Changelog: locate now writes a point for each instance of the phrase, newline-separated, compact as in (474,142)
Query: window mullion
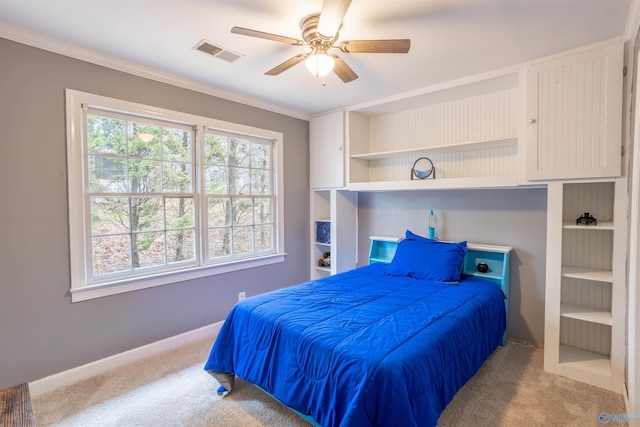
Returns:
(202,200)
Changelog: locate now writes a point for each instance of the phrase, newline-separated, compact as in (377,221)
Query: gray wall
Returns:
(41,331)
(510,217)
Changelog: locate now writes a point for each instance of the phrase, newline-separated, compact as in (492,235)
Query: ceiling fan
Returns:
(320,33)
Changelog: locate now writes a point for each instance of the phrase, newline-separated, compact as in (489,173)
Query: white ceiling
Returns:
(450,39)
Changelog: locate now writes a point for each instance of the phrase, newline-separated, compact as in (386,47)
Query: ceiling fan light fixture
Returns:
(320,63)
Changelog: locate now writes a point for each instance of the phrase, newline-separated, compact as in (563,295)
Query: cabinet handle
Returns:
(532,121)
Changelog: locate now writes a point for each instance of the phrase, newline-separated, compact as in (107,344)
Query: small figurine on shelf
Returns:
(586,219)
(325,261)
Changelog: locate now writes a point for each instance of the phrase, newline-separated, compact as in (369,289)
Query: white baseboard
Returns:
(98,367)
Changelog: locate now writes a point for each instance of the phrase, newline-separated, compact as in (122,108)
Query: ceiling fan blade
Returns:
(287,64)
(268,36)
(331,16)
(343,71)
(375,46)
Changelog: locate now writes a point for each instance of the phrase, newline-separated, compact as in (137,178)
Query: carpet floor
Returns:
(172,389)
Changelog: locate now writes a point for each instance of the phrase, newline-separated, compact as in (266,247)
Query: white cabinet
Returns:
(326,136)
(574,114)
(339,209)
(468,128)
(585,283)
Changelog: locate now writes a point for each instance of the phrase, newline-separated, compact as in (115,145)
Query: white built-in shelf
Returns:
(587,314)
(587,274)
(462,146)
(324,269)
(567,225)
(584,360)
(437,184)
(323,245)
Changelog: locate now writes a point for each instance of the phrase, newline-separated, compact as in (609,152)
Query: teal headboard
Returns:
(496,258)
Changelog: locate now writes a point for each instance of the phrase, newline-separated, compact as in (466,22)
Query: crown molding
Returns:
(27,37)
(633,20)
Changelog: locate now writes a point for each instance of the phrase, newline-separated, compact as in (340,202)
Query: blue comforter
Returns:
(362,348)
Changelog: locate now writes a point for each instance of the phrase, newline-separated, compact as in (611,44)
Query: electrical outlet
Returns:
(242,295)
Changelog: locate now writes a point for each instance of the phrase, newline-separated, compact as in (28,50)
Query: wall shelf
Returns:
(585,313)
(587,273)
(423,151)
(583,360)
(437,184)
(469,130)
(608,225)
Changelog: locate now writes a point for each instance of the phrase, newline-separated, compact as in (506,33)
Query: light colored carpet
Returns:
(172,389)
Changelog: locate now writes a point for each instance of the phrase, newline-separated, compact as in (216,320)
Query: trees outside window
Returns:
(162,191)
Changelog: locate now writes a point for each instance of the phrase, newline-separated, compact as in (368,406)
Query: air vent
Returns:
(217,51)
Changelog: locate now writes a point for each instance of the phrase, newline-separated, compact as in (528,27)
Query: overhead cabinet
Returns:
(326,136)
(574,115)
(557,118)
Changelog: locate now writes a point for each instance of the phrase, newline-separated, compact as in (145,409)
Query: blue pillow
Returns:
(410,235)
(428,259)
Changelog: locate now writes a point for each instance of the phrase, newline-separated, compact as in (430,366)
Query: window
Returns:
(157,196)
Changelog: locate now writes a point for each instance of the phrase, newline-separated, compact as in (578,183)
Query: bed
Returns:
(380,345)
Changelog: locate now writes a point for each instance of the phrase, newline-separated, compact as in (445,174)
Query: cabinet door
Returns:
(327,154)
(574,109)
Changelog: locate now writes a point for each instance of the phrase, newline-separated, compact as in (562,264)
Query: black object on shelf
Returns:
(586,219)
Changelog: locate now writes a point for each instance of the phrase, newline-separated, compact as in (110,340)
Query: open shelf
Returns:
(383,248)
(584,360)
(585,313)
(437,184)
(587,273)
(608,225)
(461,146)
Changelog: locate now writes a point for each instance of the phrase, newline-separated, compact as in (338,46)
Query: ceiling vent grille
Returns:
(217,51)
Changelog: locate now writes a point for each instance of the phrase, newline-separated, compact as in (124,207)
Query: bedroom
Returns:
(42,333)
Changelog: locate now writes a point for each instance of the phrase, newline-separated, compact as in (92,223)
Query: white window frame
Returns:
(81,289)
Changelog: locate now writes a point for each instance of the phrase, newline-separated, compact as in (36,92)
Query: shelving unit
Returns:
(584,319)
(320,211)
(339,208)
(469,129)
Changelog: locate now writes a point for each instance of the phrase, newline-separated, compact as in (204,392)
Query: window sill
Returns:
(113,288)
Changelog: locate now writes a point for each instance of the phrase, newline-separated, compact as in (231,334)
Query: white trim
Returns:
(83,287)
(633,318)
(633,20)
(61,379)
(100,290)
(24,36)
